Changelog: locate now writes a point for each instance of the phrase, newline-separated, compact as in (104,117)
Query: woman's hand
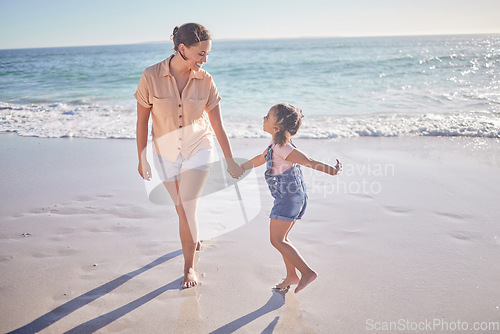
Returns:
(234,169)
(144,169)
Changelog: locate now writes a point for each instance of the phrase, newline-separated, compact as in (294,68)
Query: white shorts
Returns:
(170,171)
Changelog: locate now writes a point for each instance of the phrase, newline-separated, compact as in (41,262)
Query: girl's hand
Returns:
(234,169)
(338,166)
(144,169)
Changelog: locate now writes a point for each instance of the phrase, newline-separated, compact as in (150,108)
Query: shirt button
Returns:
(179,148)
(180,105)
(180,138)
(180,126)
(180,116)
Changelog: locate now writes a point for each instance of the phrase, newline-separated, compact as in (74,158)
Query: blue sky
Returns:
(46,23)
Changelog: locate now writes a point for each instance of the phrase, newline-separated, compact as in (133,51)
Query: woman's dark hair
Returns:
(189,34)
(289,119)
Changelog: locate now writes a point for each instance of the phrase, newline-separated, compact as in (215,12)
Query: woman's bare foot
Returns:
(305,280)
(190,279)
(287,282)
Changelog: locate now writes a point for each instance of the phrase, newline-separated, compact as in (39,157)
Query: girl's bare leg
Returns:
(279,230)
(185,193)
(291,274)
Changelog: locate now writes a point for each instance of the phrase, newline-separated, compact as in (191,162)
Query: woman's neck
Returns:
(178,66)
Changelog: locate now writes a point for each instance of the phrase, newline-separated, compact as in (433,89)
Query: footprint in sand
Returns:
(362,197)
(465,236)
(61,252)
(86,205)
(396,210)
(452,216)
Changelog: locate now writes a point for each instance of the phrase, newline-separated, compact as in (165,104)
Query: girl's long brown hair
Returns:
(289,119)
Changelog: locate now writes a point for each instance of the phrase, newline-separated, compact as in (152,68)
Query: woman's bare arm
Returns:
(216,121)
(142,140)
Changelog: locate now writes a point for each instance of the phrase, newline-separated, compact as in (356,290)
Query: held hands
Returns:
(338,167)
(234,169)
(144,169)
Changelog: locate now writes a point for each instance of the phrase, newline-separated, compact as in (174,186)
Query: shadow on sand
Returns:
(275,302)
(66,309)
(95,324)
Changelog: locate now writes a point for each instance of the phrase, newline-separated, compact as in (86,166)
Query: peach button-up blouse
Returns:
(179,123)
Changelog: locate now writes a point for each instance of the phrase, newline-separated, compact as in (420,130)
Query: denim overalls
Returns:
(288,190)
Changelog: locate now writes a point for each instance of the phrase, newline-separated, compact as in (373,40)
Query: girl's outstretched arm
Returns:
(302,159)
(255,161)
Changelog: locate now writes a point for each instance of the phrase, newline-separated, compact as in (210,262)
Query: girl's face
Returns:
(270,125)
(196,54)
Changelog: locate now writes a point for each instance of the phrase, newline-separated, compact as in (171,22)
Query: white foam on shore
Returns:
(59,120)
(392,125)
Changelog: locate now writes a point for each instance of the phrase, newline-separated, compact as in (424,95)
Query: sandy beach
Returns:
(406,236)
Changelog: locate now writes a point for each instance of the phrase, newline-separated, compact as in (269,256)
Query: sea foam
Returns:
(58,120)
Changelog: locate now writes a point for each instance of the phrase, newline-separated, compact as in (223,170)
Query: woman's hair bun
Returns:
(175,31)
(189,34)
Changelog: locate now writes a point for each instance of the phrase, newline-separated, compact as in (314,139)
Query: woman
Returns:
(175,92)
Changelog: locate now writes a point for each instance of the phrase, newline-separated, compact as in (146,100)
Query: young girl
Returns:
(285,181)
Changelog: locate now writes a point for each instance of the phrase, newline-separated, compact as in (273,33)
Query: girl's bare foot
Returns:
(287,282)
(305,280)
(190,279)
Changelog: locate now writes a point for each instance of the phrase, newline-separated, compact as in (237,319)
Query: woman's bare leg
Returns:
(185,194)
(190,187)
(279,230)
(173,190)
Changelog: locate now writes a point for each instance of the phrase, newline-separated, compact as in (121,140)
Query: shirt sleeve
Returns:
(213,97)
(142,92)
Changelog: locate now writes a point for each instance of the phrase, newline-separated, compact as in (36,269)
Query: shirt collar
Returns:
(165,70)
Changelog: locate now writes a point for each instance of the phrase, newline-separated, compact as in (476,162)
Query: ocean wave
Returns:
(325,127)
(465,125)
(59,120)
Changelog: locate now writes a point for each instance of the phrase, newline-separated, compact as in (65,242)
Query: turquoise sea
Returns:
(347,87)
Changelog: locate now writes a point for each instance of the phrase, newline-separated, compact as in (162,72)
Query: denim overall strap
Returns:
(269,158)
(270,180)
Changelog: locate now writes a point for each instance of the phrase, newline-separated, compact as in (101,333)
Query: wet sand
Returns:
(408,233)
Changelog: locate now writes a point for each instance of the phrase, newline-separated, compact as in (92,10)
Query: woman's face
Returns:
(196,54)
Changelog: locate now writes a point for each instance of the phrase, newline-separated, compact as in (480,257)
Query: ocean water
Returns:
(347,87)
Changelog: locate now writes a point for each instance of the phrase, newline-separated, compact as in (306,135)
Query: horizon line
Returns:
(256,39)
